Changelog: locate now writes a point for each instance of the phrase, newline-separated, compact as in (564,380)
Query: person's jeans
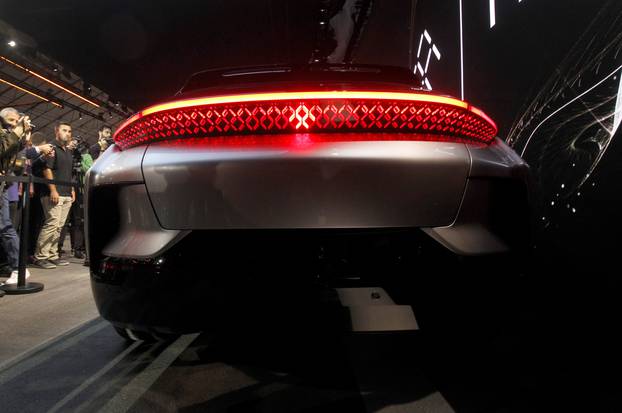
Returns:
(8,236)
(55,217)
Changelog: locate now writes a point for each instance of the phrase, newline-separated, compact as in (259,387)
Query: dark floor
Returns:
(29,320)
(555,351)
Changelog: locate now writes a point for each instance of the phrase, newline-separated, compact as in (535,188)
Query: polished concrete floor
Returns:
(553,354)
(29,320)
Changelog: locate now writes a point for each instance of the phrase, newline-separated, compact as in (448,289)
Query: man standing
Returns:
(55,199)
(103,141)
(14,128)
(38,141)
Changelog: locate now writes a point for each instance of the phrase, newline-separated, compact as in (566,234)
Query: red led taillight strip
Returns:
(322,111)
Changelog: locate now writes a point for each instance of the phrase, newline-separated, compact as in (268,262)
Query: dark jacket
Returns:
(31,153)
(95,150)
(10,145)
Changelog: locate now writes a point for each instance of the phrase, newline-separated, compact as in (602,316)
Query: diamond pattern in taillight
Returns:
(317,115)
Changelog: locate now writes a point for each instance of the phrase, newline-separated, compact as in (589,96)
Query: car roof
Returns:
(299,75)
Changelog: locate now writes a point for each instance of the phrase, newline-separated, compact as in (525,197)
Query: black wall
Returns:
(549,73)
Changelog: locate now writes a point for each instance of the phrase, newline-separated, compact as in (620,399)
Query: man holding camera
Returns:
(15,128)
(103,141)
(55,199)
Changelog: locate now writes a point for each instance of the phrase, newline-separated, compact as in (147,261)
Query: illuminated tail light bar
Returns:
(419,114)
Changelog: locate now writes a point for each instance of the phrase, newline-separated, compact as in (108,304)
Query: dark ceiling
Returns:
(141,51)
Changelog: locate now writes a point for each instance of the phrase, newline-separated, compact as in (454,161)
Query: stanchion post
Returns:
(23,235)
(22,286)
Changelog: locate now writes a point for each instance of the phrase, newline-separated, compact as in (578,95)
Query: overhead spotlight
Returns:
(80,117)
(12,43)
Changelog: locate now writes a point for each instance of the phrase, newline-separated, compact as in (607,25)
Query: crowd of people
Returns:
(56,209)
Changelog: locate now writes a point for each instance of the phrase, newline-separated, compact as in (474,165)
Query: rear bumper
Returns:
(180,235)
(218,279)
(472,199)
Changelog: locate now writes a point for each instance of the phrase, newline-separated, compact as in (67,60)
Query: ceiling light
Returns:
(45,79)
(30,93)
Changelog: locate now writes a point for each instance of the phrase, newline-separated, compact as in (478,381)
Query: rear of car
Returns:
(270,187)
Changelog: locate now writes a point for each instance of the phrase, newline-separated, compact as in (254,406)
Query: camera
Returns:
(22,115)
(110,141)
(81,146)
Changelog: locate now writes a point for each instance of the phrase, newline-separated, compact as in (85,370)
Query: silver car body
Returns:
(445,189)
